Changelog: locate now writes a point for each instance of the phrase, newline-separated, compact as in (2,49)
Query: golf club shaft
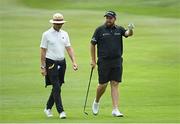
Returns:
(88,88)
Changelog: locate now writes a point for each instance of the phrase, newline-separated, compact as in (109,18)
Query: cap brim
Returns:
(56,22)
(109,15)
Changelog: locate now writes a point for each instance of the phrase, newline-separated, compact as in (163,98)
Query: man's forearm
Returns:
(93,53)
(43,57)
(43,61)
(71,54)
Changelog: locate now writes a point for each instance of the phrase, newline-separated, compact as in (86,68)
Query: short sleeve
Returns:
(67,42)
(123,30)
(95,37)
(43,41)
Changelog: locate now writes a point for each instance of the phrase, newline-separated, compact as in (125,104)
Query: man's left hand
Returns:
(75,66)
(131,26)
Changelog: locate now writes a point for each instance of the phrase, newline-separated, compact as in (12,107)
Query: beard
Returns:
(109,24)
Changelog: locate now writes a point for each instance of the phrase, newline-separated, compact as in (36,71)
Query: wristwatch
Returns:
(43,67)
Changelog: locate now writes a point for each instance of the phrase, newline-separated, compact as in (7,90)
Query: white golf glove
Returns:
(131,26)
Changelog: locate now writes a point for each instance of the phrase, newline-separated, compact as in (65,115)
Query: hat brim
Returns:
(56,22)
(109,15)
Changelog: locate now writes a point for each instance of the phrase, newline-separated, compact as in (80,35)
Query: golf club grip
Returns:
(88,88)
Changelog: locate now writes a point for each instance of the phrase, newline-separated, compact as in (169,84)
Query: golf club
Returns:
(88,91)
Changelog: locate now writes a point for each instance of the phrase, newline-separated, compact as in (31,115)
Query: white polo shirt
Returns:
(55,43)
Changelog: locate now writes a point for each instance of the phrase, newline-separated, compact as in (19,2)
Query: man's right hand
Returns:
(43,72)
(93,64)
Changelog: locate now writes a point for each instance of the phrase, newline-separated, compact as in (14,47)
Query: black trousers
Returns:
(55,74)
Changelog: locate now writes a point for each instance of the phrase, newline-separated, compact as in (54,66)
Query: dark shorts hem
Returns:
(104,82)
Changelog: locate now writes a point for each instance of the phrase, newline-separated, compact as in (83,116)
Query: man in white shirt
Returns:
(53,65)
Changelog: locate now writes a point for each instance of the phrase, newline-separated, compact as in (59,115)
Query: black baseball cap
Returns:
(110,13)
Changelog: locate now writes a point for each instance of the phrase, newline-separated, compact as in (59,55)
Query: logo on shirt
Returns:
(105,34)
(117,33)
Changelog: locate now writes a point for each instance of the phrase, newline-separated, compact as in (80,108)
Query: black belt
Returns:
(56,61)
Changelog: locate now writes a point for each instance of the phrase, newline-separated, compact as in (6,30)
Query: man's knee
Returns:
(102,86)
(114,83)
(56,87)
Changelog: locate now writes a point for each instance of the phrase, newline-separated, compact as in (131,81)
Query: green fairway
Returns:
(150,91)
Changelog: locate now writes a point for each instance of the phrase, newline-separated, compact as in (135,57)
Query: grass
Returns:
(150,90)
(167,8)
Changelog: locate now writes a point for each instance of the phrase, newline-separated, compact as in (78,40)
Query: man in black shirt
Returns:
(109,41)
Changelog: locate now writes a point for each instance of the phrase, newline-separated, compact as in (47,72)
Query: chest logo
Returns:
(117,33)
(105,34)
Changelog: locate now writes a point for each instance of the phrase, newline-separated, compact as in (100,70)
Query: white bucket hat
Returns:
(57,19)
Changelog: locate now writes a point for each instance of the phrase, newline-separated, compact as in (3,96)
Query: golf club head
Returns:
(86,113)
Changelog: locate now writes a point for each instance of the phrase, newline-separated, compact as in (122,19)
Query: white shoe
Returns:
(48,112)
(62,115)
(117,113)
(95,107)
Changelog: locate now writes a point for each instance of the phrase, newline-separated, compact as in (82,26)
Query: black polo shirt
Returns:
(109,41)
